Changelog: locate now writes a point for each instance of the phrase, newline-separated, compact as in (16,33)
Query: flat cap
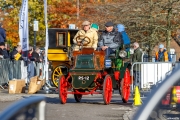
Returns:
(108,24)
(86,23)
(2,44)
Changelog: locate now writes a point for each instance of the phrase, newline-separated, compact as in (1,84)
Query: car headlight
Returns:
(122,54)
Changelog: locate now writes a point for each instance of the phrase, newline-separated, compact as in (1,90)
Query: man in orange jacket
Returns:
(162,55)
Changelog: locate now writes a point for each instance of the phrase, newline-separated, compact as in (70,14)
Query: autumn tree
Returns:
(60,14)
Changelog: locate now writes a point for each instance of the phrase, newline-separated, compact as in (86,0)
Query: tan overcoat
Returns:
(91,34)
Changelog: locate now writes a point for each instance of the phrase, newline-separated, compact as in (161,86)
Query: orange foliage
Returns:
(11,28)
(61,13)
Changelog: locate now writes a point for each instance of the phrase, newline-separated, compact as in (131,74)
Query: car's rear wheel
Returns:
(107,89)
(62,89)
(125,86)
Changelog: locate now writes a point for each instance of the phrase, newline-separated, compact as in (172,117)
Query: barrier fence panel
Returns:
(149,74)
(24,71)
(16,69)
(4,71)
(11,69)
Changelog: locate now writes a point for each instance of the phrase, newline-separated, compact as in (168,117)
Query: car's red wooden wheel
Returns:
(107,89)
(125,86)
(62,86)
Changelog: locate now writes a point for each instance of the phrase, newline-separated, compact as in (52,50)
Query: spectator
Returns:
(86,32)
(110,39)
(2,33)
(137,57)
(7,46)
(30,52)
(3,52)
(31,67)
(14,50)
(36,55)
(16,54)
(162,55)
(2,46)
(6,51)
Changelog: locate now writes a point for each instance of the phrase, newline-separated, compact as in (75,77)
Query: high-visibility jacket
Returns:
(165,57)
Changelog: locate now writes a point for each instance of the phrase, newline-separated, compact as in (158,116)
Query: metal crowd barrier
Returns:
(147,75)
(35,69)
(11,69)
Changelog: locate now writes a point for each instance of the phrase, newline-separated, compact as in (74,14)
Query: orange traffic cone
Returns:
(137,98)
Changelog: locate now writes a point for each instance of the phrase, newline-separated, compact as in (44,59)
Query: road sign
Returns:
(36,28)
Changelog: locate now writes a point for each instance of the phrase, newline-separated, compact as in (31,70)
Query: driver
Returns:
(88,35)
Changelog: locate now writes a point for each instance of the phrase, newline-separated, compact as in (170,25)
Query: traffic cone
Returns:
(137,98)
(173,96)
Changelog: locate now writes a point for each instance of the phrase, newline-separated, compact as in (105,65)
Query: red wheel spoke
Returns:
(107,89)
(62,89)
(125,86)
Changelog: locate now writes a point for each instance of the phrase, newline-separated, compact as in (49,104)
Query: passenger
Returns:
(125,37)
(86,32)
(162,55)
(110,39)
(137,57)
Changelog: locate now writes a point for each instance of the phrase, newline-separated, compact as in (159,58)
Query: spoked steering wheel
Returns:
(82,40)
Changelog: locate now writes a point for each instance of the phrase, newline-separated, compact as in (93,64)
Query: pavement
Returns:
(5,96)
(127,115)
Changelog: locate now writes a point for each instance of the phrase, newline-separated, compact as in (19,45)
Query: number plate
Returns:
(83,77)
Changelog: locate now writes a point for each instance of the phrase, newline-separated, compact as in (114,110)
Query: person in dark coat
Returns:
(16,54)
(6,51)
(2,46)
(36,55)
(6,54)
(137,57)
(2,33)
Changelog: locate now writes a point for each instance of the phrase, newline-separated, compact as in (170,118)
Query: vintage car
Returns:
(89,73)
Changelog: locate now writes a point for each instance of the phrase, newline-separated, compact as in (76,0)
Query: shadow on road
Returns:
(98,101)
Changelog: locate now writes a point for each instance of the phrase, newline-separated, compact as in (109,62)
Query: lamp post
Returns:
(35,28)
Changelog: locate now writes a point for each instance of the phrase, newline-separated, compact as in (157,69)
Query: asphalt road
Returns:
(90,108)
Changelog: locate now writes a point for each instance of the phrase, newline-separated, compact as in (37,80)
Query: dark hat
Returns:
(2,44)
(108,24)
